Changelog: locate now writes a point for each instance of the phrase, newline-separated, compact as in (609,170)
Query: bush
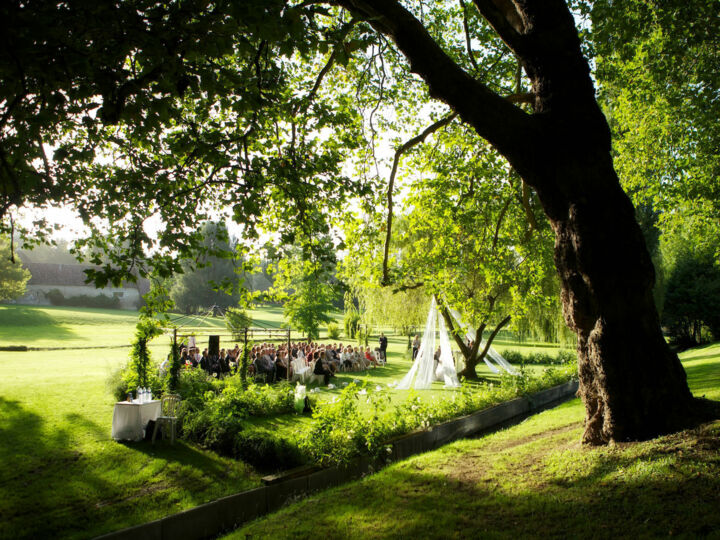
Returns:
(56,298)
(351,321)
(215,415)
(333,331)
(340,432)
(236,321)
(564,356)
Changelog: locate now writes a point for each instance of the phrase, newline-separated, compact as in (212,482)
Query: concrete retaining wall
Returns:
(209,520)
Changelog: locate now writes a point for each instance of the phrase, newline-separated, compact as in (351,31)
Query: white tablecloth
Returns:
(130,419)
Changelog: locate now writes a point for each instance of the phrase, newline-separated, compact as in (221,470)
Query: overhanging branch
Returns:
(391,183)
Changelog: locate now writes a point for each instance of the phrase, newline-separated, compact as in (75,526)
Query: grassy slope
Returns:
(57,457)
(531,480)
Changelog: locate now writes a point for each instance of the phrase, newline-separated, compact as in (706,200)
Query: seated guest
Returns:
(224,362)
(359,359)
(265,365)
(370,358)
(347,358)
(281,366)
(321,368)
(205,361)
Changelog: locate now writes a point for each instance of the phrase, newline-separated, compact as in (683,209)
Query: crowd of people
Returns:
(278,361)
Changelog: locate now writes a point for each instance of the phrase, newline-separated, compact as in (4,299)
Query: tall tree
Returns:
(213,279)
(13,277)
(226,101)
(306,284)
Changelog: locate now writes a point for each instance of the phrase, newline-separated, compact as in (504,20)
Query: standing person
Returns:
(416,346)
(383,347)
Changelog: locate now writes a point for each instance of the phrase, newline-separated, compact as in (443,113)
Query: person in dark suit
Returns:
(383,347)
(321,368)
(416,346)
(264,364)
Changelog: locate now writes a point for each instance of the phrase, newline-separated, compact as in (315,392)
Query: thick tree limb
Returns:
(391,182)
(505,126)
(494,333)
(503,16)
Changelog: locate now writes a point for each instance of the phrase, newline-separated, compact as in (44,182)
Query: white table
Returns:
(130,419)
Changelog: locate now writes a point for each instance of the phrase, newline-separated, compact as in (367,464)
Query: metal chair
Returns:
(168,410)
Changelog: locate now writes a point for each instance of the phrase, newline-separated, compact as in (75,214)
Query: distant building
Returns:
(69,279)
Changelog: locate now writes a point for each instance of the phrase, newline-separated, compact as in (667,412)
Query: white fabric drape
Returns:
(423,371)
(492,353)
(446,368)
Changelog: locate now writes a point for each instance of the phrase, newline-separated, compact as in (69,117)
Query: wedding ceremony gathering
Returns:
(359,269)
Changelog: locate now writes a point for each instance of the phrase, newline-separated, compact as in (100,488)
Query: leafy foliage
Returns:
(340,432)
(217,419)
(657,69)
(305,283)
(13,277)
(236,320)
(141,372)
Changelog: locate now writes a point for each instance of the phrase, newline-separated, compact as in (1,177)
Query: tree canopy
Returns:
(181,110)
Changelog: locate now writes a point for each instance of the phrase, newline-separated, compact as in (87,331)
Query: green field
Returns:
(55,417)
(534,480)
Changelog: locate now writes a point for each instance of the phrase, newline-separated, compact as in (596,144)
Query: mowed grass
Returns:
(534,480)
(61,475)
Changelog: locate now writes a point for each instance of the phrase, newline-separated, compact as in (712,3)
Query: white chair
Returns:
(300,370)
(168,410)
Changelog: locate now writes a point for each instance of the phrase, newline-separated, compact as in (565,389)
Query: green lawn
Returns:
(533,480)
(58,460)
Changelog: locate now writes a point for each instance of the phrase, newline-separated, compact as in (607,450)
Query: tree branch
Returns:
(505,19)
(493,334)
(509,129)
(391,183)
(468,45)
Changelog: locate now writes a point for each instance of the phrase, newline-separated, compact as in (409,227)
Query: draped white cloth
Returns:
(423,371)
(446,367)
(492,353)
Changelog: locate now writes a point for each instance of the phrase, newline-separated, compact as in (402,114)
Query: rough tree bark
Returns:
(632,384)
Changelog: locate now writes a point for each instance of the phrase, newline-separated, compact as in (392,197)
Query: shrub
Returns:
(214,414)
(333,331)
(236,321)
(517,358)
(56,298)
(351,321)
(340,432)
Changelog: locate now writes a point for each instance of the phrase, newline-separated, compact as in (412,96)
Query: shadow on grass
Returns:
(704,377)
(604,500)
(42,323)
(43,479)
(50,488)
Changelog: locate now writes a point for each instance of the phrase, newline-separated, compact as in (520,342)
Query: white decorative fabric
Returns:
(446,367)
(492,353)
(300,370)
(423,371)
(130,419)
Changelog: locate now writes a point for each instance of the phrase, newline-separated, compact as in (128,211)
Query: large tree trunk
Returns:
(632,384)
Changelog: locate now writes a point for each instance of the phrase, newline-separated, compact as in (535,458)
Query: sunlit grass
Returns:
(533,480)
